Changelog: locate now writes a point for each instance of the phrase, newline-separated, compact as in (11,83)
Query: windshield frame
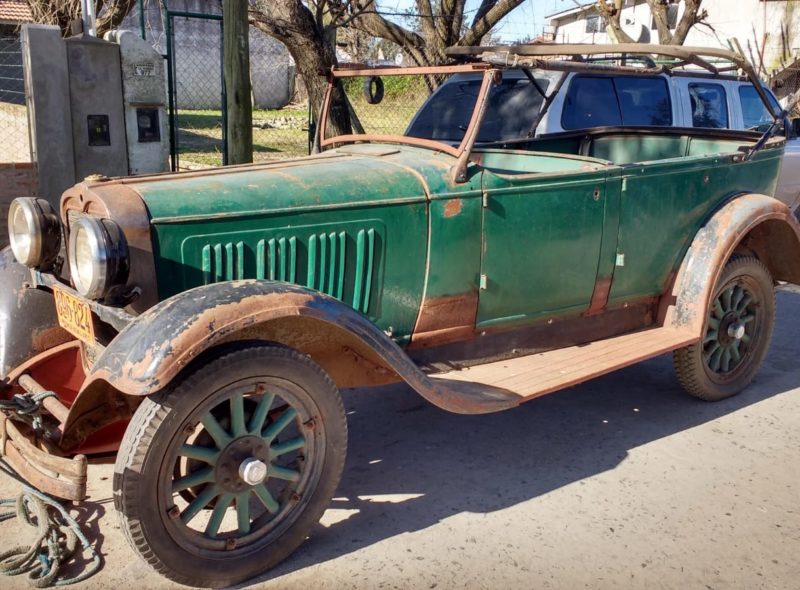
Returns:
(470,135)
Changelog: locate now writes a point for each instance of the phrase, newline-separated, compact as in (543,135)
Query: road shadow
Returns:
(411,465)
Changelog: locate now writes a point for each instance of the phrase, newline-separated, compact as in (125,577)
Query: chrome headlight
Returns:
(34,232)
(98,256)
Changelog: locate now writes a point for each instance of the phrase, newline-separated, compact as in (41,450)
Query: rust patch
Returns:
(600,295)
(446,319)
(453,208)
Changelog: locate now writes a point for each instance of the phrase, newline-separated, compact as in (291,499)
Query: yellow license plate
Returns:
(74,315)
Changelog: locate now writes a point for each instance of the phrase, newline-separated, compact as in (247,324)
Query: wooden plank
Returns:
(537,374)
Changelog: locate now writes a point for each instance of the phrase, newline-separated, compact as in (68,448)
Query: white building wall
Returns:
(745,20)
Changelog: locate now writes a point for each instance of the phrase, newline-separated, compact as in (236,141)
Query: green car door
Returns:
(542,233)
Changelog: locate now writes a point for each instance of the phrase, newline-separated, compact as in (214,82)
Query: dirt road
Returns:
(621,482)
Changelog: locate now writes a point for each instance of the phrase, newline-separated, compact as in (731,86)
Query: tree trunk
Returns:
(235,33)
(291,23)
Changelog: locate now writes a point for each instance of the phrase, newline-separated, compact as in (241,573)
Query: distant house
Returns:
(197,50)
(13,14)
(768,30)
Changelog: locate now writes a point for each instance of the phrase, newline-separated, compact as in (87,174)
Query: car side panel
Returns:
(665,203)
(373,259)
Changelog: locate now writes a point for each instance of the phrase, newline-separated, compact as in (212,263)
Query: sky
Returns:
(526,20)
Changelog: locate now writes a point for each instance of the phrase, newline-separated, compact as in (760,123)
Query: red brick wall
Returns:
(16,180)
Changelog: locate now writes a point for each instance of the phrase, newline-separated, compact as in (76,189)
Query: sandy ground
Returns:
(621,482)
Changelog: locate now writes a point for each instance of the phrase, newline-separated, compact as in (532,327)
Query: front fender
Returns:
(751,224)
(28,322)
(156,346)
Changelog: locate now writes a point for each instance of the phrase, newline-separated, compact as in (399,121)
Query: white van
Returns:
(536,103)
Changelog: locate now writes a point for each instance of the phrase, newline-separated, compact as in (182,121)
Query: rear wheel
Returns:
(736,336)
(224,474)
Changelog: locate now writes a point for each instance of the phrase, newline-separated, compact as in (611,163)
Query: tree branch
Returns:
(611,16)
(488,15)
(692,15)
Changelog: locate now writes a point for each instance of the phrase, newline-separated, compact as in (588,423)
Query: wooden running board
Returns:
(532,376)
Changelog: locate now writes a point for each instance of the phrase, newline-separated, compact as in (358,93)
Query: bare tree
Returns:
(693,14)
(441,25)
(62,12)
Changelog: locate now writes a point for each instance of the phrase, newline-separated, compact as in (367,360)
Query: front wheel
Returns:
(736,336)
(222,475)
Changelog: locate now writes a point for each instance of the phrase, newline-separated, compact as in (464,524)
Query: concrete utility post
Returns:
(235,31)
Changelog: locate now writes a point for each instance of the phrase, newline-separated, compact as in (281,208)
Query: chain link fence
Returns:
(14,139)
(386,105)
(786,82)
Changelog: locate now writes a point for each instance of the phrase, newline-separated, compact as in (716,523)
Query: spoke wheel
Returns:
(737,333)
(224,474)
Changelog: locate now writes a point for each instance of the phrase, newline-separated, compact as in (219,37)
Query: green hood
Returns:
(356,175)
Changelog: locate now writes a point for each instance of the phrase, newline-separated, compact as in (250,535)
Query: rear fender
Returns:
(750,224)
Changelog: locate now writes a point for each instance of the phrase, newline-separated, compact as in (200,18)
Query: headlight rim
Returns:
(43,228)
(108,253)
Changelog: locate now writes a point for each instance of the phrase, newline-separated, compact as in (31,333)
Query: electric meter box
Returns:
(95,98)
(144,102)
(95,106)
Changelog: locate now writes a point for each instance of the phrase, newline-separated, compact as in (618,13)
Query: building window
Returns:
(672,18)
(595,24)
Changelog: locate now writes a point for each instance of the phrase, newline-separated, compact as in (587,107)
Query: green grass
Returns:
(200,131)
(200,136)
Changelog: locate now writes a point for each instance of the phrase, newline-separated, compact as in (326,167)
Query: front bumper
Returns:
(39,463)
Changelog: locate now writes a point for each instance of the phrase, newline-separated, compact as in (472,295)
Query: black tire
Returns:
(736,339)
(373,89)
(153,462)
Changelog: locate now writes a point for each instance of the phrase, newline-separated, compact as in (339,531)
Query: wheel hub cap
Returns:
(252,471)
(736,331)
(243,464)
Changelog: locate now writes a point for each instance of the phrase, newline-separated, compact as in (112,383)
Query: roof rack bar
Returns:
(693,55)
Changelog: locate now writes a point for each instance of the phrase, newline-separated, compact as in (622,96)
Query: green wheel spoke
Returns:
(270,503)
(711,336)
(237,416)
(734,349)
(204,475)
(277,427)
(279,472)
(738,295)
(243,512)
(748,299)
(713,322)
(746,338)
(746,319)
(217,432)
(714,348)
(199,453)
(220,508)
(258,417)
(718,310)
(713,361)
(727,295)
(726,360)
(199,503)
(287,446)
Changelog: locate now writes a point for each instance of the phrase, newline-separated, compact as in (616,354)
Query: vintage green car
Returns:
(202,324)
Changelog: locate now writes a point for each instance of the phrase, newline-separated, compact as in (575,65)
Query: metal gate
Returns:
(196,89)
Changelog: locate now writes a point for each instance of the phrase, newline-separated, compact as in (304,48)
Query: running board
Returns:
(531,376)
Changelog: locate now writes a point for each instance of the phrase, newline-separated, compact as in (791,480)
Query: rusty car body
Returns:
(205,321)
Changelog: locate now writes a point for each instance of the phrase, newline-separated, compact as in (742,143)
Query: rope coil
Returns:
(56,542)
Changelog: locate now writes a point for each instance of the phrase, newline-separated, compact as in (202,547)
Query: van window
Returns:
(709,105)
(754,112)
(513,107)
(594,101)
